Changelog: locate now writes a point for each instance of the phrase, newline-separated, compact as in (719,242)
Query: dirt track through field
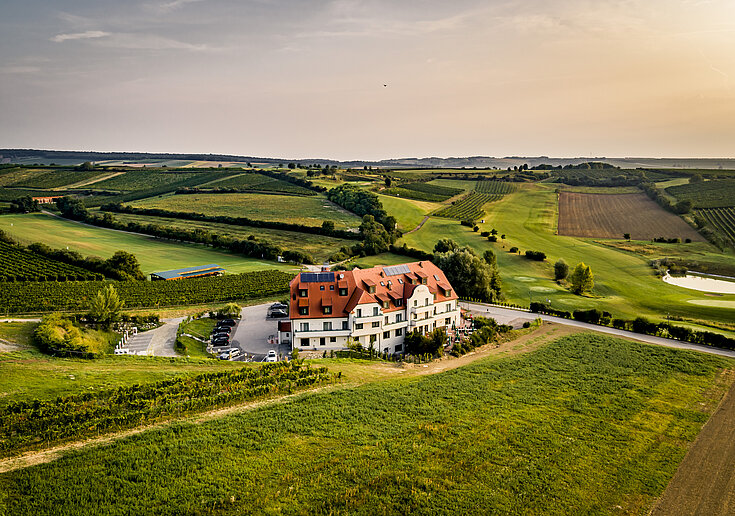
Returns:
(704,483)
(612,215)
(523,344)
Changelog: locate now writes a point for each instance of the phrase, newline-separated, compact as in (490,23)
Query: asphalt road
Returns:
(505,314)
(252,332)
(159,342)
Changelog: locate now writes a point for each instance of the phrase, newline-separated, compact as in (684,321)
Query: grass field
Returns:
(255,181)
(311,211)
(27,375)
(319,246)
(153,254)
(580,426)
(409,213)
(624,282)
(610,216)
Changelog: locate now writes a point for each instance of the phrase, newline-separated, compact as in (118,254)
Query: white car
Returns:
(271,356)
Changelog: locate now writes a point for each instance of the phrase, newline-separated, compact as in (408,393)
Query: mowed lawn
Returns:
(153,254)
(311,211)
(624,282)
(584,425)
(319,246)
(408,213)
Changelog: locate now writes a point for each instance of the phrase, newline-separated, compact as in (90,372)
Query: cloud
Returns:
(19,69)
(173,5)
(150,42)
(90,34)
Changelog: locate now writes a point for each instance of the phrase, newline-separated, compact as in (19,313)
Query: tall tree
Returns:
(124,266)
(105,307)
(561,270)
(470,275)
(582,279)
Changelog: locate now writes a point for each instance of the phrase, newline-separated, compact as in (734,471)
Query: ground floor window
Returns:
(304,343)
(447,321)
(399,348)
(332,339)
(322,341)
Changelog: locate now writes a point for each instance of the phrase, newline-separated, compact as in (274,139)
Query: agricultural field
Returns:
(459,184)
(624,281)
(319,246)
(468,208)
(722,219)
(494,187)
(708,194)
(22,265)
(311,211)
(33,297)
(610,216)
(10,176)
(255,181)
(580,426)
(56,178)
(423,192)
(153,254)
(134,180)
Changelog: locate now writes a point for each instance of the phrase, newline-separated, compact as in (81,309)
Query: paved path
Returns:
(417,227)
(159,342)
(20,320)
(506,313)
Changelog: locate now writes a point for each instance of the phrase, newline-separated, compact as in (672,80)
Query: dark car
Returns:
(222,329)
(220,338)
(278,314)
(227,322)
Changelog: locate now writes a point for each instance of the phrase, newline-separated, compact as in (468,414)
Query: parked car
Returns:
(278,314)
(226,322)
(279,306)
(271,356)
(229,354)
(219,331)
(223,327)
(222,341)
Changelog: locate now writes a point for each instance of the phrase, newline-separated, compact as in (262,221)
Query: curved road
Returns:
(506,314)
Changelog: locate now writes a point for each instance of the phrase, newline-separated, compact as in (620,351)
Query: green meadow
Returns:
(625,284)
(584,425)
(152,253)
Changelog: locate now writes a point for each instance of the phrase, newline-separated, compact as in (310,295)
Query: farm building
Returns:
(376,306)
(46,200)
(189,272)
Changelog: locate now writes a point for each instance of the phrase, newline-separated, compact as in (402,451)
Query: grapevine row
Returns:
(494,187)
(18,264)
(23,297)
(722,219)
(26,425)
(469,208)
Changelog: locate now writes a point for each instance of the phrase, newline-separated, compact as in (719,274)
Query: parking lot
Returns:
(252,332)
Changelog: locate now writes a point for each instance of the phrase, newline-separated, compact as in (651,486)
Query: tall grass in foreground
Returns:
(579,426)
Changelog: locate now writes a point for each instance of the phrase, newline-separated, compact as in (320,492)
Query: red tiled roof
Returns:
(355,282)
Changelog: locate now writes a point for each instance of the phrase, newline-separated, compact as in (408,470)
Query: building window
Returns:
(386,335)
(376,324)
(399,302)
(304,326)
(304,310)
(423,281)
(415,316)
(399,348)
(415,302)
(303,292)
(331,287)
(358,326)
(449,307)
(343,292)
(322,341)
(376,311)
(426,302)
(399,332)
(304,343)
(448,321)
(327,309)
(386,304)
(332,339)
(345,325)
(327,326)
(359,312)
(371,289)
(321,287)
(399,317)
(386,320)
(373,338)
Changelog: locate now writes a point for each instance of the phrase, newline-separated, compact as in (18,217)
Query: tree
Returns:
(229,311)
(24,204)
(582,279)
(696,178)
(444,245)
(626,236)
(72,208)
(105,307)
(561,270)
(328,225)
(470,275)
(124,266)
(375,238)
(432,343)
(490,258)
(388,182)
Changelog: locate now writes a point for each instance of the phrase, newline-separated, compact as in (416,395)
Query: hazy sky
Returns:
(304,78)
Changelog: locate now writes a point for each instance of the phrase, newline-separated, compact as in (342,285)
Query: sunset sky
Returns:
(305,78)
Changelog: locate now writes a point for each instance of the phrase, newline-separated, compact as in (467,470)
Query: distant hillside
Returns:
(39,156)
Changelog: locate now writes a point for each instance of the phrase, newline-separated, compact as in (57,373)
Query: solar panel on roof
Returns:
(317,277)
(395,270)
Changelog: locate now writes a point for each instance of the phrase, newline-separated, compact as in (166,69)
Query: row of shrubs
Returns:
(640,325)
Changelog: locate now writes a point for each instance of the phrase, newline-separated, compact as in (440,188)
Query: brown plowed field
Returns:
(704,484)
(612,215)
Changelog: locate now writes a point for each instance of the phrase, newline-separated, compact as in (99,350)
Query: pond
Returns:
(702,283)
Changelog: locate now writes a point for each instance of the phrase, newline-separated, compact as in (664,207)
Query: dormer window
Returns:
(304,310)
(386,304)
(398,302)
(327,310)
(343,292)
(303,292)
(423,281)
(371,289)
